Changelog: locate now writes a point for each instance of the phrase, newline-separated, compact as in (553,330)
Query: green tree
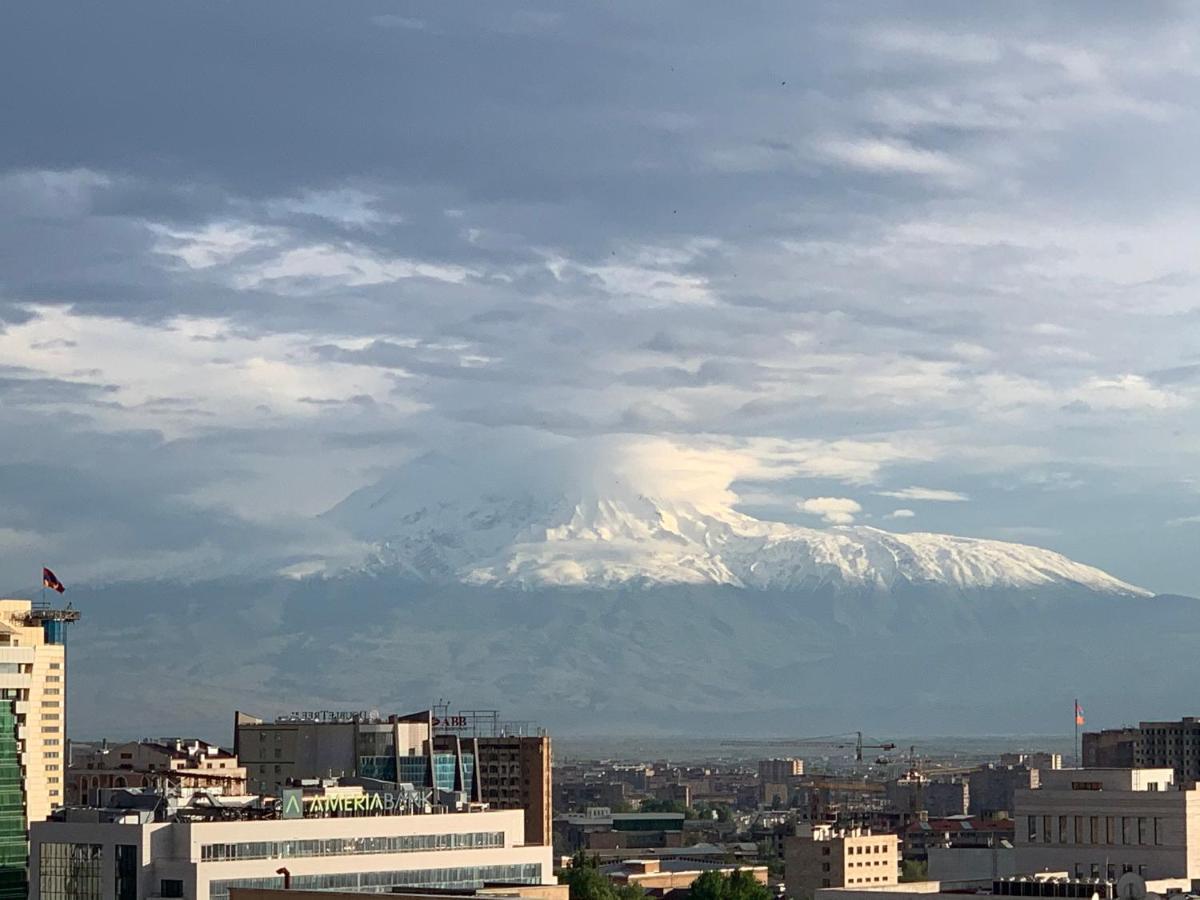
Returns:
(737,885)
(585,882)
(914,870)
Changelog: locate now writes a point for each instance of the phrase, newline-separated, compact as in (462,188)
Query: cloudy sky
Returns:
(920,266)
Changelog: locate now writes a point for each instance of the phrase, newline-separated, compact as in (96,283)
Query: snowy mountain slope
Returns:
(601,532)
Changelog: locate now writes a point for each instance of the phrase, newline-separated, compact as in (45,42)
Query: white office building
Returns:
(126,858)
(1102,823)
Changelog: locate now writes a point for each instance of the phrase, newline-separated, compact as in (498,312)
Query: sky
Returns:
(926,267)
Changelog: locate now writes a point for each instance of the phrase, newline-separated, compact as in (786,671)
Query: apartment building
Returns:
(1101,823)
(832,857)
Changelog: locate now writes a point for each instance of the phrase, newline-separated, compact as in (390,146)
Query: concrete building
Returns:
(663,875)
(992,789)
(599,828)
(507,772)
(33,715)
(1151,745)
(1101,823)
(839,858)
(1047,885)
(490,892)
(958,832)
(915,793)
(1109,749)
(119,854)
(952,864)
(181,764)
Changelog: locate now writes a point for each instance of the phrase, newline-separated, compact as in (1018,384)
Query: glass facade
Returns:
(352,846)
(468,764)
(413,770)
(70,872)
(382,768)
(14,846)
(445,767)
(382,882)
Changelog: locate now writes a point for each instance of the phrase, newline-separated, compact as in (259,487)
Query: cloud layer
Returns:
(833,253)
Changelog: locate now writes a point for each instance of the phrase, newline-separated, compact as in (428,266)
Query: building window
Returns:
(1063,830)
(1158,831)
(69,871)
(172,887)
(1143,829)
(125,872)
(1045,829)
(1079,831)
(1031,825)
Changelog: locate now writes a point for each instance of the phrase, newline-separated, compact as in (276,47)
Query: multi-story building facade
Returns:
(1101,823)
(181,764)
(1151,745)
(832,858)
(507,772)
(113,855)
(33,713)
(514,773)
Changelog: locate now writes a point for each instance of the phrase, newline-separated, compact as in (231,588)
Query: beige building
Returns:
(178,765)
(33,680)
(117,855)
(1101,823)
(662,875)
(33,715)
(833,858)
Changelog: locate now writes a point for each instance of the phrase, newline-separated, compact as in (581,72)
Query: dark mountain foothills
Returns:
(163,658)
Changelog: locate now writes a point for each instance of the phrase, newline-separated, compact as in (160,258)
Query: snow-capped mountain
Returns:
(600,532)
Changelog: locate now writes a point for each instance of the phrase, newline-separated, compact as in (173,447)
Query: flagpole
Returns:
(1075,716)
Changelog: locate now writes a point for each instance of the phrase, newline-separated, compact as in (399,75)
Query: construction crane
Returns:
(838,741)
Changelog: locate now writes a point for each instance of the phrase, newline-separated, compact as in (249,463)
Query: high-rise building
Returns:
(33,711)
(514,773)
(504,771)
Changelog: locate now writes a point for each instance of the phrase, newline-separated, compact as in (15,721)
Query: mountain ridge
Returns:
(611,535)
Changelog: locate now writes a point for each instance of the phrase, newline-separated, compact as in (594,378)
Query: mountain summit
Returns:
(434,524)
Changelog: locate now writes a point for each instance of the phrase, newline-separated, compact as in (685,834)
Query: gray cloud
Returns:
(964,228)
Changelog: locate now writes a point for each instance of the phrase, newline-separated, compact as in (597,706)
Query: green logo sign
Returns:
(293,803)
